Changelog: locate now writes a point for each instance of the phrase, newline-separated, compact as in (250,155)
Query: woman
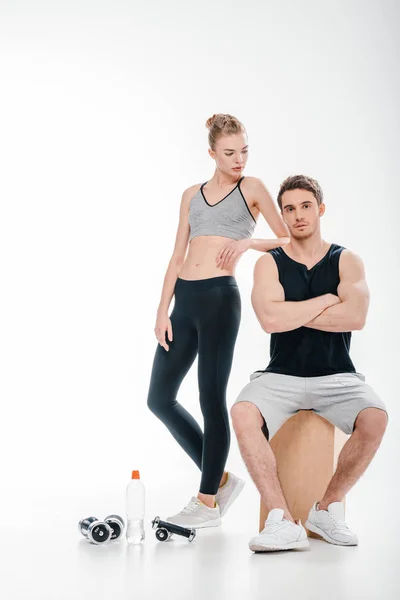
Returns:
(217,220)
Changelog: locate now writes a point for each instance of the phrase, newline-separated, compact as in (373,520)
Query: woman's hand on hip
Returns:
(163,325)
(231,252)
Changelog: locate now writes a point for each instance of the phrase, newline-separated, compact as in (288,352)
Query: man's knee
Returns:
(371,423)
(245,415)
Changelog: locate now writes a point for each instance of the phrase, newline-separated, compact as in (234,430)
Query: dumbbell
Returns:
(165,530)
(97,532)
(101,532)
(116,523)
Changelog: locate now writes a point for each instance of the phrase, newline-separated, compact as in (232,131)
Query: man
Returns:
(309,295)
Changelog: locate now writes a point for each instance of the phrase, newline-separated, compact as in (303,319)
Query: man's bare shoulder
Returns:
(350,257)
(265,268)
(351,262)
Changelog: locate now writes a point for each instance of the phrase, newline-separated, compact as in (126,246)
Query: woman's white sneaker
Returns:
(197,515)
(228,493)
(330,525)
(279,534)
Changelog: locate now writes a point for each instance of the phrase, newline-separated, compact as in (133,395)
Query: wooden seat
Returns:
(306,449)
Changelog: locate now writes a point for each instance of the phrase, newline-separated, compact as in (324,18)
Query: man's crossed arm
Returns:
(345,312)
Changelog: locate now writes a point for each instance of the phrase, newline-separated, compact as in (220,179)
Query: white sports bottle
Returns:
(135,501)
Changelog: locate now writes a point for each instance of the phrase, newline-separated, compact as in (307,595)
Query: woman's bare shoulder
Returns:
(252,183)
(190,192)
(193,188)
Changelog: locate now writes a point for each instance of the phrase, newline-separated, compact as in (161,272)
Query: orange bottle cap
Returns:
(135,475)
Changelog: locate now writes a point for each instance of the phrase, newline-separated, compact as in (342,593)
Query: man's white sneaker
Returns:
(330,525)
(279,534)
(197,515)
(228,493)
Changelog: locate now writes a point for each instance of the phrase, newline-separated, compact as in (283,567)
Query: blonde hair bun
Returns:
(222,124)
(210,122)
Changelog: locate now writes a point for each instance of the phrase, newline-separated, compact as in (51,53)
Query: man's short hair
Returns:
(300,182)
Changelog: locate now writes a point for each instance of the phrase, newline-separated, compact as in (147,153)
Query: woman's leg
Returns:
(218,328)
(169,369)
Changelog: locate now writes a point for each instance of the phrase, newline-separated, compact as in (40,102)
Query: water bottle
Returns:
(135,496)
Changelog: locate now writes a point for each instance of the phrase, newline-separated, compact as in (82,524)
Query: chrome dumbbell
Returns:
(165,530)
(97,532)
(116,523)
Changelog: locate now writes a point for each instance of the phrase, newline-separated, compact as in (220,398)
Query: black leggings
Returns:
(205,321)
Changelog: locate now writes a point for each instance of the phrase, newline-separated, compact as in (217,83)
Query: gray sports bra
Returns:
(230,217)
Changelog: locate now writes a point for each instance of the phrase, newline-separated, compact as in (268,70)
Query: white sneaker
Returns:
(197,515)
(228,493)
(279,534)
(330,525)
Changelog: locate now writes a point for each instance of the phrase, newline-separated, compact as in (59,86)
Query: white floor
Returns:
(51,561)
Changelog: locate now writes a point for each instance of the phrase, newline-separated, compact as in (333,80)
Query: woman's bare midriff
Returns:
(200,262)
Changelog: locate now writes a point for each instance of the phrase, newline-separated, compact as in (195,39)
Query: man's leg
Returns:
(258,455)
(356,454)
(349,403)
(346,401)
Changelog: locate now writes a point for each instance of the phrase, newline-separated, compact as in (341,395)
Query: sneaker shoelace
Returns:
(272,526)
(191,507)
(338,522)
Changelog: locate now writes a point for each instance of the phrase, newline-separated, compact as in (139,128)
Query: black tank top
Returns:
(306,352)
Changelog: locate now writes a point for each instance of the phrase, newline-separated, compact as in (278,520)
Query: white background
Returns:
(103,107)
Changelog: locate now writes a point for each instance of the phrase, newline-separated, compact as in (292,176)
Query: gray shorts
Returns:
(337,398)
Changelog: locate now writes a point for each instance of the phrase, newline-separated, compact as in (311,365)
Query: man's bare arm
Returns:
(351,313)
(274,314)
